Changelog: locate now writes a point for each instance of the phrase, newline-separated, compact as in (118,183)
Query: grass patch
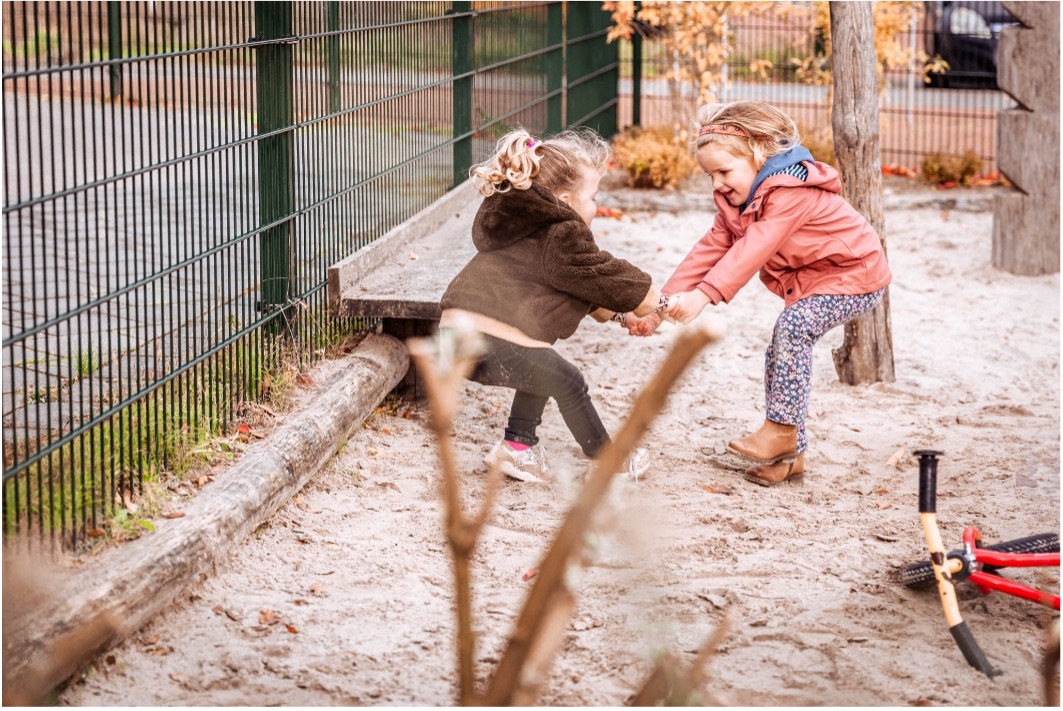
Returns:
(107,484)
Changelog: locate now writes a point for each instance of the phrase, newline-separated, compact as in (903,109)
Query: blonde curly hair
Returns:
(555,163)
(768,130)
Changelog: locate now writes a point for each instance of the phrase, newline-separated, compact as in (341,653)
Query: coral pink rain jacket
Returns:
(802,236)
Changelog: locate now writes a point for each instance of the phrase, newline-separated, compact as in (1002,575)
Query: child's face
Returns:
(581,198)
(731,175)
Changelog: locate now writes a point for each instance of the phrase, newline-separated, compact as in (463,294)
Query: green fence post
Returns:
(636,74)
(461,51)
(555,67)
(334,56)
(592,69)
(114,45)
(273,78)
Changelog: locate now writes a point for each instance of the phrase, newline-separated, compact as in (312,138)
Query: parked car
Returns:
(966,33)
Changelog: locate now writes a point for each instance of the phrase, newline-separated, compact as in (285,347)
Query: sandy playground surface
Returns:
(345,596)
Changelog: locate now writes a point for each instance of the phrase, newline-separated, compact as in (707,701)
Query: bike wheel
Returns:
(921,575)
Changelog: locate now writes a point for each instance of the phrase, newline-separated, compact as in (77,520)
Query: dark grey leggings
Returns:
(538,374)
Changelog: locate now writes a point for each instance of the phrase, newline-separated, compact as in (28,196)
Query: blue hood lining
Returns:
(778,162)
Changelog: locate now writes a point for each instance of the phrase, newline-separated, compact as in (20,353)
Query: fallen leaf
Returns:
(888,539)
(884,504)
(179,678)
(174,514)
(895,457)
(304,380)
(127,501)
(529,574)
(233,616)
(413,255)
(96,532)
(880,491)
(292,628)
(388,485)
(217,609)
(718,489)
(268,617)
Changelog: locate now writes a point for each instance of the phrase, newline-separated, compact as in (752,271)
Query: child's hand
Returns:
(644,325)
(686,306)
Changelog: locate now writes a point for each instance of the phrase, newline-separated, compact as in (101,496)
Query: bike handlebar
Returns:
(928,479)
(946,592)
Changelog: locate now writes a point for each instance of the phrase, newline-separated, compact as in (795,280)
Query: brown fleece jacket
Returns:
(538,268)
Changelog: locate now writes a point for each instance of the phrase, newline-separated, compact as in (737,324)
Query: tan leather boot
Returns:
(773,442)
(778,473)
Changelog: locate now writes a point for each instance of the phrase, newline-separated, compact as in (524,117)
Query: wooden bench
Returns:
(400,277)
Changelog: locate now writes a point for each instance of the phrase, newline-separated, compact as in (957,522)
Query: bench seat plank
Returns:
(411,285)
(404,273)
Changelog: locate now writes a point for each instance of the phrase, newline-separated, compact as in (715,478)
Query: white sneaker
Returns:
(526,465)
(637,464)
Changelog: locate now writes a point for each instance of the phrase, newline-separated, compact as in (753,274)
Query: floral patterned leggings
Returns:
(788,360)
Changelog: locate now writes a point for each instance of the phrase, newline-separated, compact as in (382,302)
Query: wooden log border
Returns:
(132,583)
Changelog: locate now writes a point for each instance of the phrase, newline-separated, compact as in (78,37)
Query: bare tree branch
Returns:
(510,680)
(443,364)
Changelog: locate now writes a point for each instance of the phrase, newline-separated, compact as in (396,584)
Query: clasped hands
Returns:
(683,307)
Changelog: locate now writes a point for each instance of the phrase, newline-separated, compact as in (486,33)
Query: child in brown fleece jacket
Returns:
(536,274)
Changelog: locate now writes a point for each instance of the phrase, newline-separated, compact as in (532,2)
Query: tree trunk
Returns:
(866,355)
(1026,220)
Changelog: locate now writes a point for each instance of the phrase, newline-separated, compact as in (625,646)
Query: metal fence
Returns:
(955,112)
(179,176)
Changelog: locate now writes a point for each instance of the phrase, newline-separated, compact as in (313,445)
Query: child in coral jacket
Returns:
(536,274)
(780,213)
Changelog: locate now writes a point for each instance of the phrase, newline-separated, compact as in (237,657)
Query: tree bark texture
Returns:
(866,354)
(1026,221)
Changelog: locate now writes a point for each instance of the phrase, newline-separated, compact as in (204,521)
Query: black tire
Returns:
(921,575)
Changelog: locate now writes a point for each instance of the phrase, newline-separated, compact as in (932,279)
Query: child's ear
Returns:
(565,198)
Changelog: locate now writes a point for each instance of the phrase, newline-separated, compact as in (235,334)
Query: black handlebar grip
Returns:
(928,480)
(971,651)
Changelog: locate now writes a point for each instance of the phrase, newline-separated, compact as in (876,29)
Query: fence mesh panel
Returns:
(178,178)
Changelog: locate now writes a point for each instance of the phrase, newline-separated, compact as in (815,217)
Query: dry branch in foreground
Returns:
(444,363)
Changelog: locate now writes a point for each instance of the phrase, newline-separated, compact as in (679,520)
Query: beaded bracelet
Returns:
(620,318)
(664,303)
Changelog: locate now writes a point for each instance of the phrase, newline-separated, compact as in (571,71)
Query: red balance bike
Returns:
(978,564)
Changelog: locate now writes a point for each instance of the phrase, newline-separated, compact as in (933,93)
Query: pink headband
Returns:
(725,130)
(531,143)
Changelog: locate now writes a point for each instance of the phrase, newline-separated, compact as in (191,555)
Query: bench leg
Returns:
(411,387)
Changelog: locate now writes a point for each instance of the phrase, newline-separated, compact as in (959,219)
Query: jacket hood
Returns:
(505,218)
(779,161)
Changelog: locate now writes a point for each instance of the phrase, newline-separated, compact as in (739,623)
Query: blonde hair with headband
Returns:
(748,129)
(555,163)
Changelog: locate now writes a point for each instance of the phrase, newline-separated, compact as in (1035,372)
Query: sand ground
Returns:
(345,596)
